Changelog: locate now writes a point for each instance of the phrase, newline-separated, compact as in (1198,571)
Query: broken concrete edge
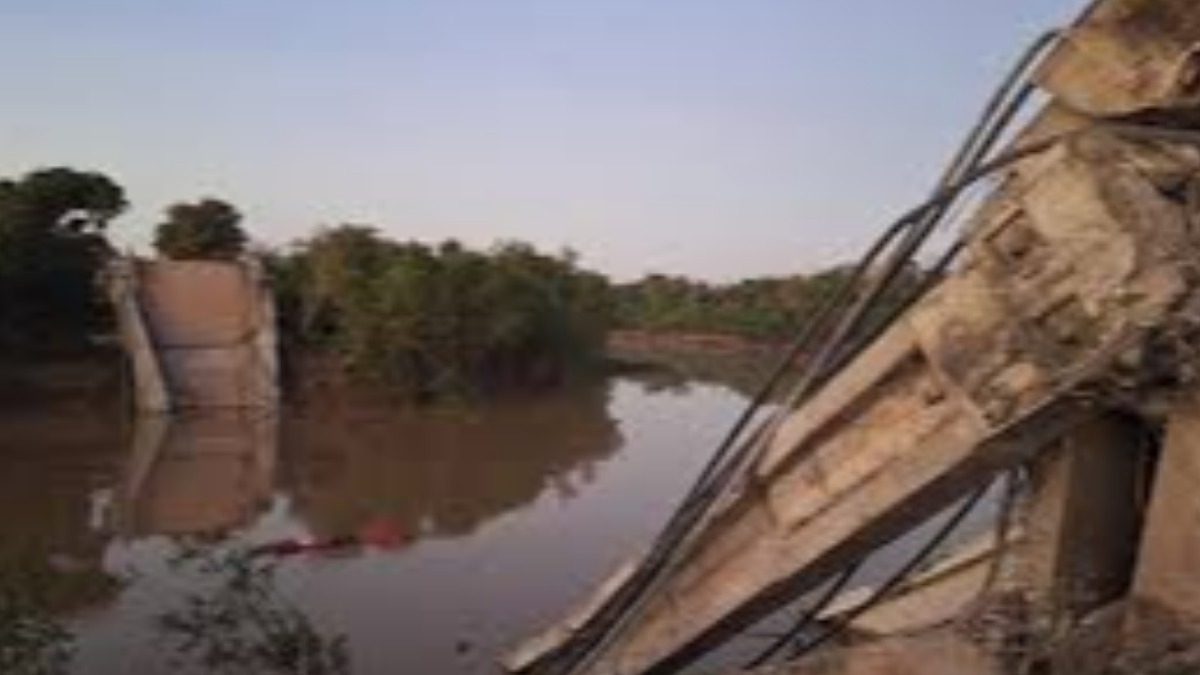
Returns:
(266,340)
(1121,56)
(972,557)
(534,650)
(1127,637)
(151,393)
(1168,571)
(149,435)
(941,652)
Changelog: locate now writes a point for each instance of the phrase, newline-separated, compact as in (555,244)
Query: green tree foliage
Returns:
(209,229)
(442,320)
(52,246)
(238,622)
(767,309)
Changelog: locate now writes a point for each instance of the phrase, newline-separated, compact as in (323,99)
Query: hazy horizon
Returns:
(711,138)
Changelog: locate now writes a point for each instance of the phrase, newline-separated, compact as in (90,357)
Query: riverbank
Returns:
(313,380)
(90,380)
(634,341)
(730,361)
(316,380)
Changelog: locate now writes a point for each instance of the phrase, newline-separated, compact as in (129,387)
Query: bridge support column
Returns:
(1079,523)
(1082,522)
(1167,584)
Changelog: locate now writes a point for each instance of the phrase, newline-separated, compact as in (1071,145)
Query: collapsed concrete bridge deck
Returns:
(1064,342)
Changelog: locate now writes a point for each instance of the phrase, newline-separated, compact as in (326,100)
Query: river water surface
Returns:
(431,541)
(403,541)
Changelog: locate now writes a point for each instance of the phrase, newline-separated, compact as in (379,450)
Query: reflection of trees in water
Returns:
(675,371)
(64,472)
(445,472)
(55,466)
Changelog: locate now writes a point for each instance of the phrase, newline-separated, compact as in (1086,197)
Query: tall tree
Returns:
(444,319)
(208,229)
(52,245)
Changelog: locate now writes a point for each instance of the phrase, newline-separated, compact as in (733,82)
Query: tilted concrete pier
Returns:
(200,335)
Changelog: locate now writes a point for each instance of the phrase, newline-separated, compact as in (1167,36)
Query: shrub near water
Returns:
(445,320)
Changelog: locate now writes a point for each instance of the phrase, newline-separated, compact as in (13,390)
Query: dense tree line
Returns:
(436,320)
(761,309)
(427,320)
(54,248)
(52,244)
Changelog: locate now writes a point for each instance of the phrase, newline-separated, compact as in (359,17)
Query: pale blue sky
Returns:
(718,138)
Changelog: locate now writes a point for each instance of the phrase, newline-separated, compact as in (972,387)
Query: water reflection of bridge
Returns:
(197,473)
(431,472)
(71,487)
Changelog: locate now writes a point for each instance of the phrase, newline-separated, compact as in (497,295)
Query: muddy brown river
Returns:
(428,541)
(342,540)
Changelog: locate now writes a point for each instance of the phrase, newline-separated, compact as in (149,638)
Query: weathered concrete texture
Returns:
(934,597)
(149,381)
(1077,290)
(197,303)
(1101,644)
(1058,291)
(1092,646)
(201,334)
(940,653)
(1152,640)
(1081,522)
(1070,548)
(1127,56)
(1168,573)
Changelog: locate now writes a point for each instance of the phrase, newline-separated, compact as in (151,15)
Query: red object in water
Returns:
(381,533)
(281,548)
